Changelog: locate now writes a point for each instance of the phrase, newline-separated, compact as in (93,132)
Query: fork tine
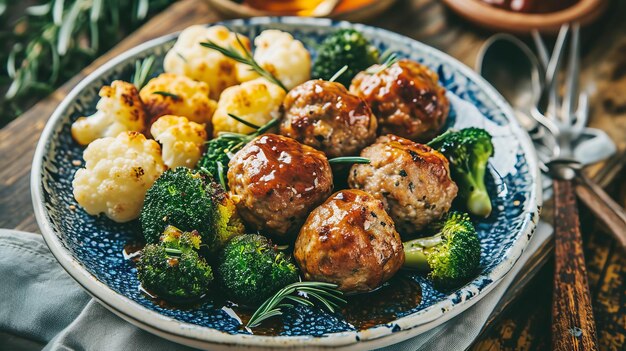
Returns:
(570,95)
(541,49)
(553,68)
(582,114)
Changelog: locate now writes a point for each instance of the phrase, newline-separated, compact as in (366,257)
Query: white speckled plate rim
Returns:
(202,337)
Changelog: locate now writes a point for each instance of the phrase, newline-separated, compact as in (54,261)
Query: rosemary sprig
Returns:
(143,69)
(303,293)
(246,59)
(349,159)
(389,61)
(166,94)
(44,45)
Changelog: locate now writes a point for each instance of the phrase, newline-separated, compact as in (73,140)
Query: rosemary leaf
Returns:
(341,71)
(299,300)
(143,69)
(166,94)
(348,159)
(391,59)
(243,121)
(142,9)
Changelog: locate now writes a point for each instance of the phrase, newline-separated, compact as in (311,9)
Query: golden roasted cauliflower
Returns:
(256,101)
(181,140)
(119,110)
(189,58)
(282,55)
(118,172)
(175,94)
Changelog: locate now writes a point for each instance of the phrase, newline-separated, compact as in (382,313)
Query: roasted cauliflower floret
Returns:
(174,94)
(182,140)
(256,101)
(281,55)
(118,172)
(119,110)
(189,58)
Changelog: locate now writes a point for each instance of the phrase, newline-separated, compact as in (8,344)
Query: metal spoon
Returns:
(511,67)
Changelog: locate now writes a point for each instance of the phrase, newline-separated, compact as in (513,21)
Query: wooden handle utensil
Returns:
(603,207)
(573,326)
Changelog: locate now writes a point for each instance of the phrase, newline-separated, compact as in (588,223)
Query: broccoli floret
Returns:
(346,47)
(172,269)
(190,200)
(468,151)
(451,255)
(251,269)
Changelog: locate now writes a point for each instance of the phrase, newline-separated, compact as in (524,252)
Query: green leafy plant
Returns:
(45,44)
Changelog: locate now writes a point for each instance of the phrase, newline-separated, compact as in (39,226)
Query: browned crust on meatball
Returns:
(411,179)
(351,241)
(406,98)
(326,116)
(277,182)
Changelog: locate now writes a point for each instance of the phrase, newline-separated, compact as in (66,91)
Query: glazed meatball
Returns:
(411,179)
(277,181)
(326,116)
(406,98)
(351,241)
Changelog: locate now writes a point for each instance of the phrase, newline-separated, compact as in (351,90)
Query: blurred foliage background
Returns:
(43,43)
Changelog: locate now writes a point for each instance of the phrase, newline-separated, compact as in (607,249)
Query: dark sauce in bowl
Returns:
(363,311)
(532,6)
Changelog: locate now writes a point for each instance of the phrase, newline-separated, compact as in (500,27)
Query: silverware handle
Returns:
(603,207)
(573,326)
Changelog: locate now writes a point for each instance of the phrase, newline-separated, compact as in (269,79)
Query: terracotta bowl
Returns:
(484,15)
(369,9)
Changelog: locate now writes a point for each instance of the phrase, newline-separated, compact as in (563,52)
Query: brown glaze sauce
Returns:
(270,167)
(406,98)
(401,293)
(335,104)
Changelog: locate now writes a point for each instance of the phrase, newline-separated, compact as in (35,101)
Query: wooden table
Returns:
(525,324)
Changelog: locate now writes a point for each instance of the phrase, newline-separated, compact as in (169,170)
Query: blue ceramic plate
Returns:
(90,248)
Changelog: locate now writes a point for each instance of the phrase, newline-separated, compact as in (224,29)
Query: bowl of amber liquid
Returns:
(285,6)
(350,10)
(522,16)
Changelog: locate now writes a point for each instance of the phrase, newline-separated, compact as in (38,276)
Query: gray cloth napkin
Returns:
(40,302)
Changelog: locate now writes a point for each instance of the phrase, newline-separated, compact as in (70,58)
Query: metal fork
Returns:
(565,126)
(573,326)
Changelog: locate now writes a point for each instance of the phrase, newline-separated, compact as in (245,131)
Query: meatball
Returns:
(406,98)
(326,116)
(411,179)
(277,181)
(351,241)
